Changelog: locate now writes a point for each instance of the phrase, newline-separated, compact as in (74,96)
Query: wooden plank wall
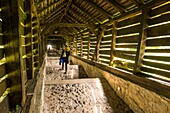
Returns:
(138,44)
(3,75)
(19,51)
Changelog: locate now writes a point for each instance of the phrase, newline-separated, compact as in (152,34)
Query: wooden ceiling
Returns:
(68,17)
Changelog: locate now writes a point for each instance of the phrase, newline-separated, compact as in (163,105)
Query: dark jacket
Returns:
(67,56)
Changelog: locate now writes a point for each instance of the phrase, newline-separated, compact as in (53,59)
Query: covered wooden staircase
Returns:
(57,92)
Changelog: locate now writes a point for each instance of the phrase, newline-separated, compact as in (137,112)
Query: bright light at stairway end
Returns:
(49,47)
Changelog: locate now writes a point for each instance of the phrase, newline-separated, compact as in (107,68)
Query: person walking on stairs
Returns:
(65,57)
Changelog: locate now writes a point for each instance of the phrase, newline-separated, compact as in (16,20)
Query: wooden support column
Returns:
(113,44)
(88,56)
(22,48)
(27,32)
(81,46)
(76,46)
(141,41)
(99,39)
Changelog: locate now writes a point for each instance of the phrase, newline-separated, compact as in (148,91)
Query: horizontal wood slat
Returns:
(154,71)
(1,54)
(158,51)
(108,32)
(124,55)
(128,52)
(2,70)
(160,19)
(160,10)
(130,30)
(157,65)
(131,39)
(3,86)
(129,21)
(105,52)
(158,42)
(126,46)
(106,46)
(159,30)
(159,58)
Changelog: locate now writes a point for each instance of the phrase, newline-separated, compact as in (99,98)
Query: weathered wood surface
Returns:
(141,42)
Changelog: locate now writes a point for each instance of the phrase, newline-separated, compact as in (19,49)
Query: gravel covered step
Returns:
(75,96)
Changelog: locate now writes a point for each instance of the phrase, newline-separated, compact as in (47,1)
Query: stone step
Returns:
(75,96)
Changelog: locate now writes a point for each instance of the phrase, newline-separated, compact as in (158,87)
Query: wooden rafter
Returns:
(39,11)
(70,25)
(133,12)
(66,9)
(135,2)
(52,18)
(39,2)
(83,18)
(71,22)
(84,12)
(116,5)
(97,8)
(53,13)
(72,19)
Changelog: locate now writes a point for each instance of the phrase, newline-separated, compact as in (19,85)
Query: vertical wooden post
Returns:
(141,42)
(27,31)
(76,46)
(99,39)
(22,49)
(113,44)
(81,46)
(88,56)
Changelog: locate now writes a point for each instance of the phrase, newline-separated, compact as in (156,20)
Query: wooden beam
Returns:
(99,39)
(55,11)
(53,17)
(72,19)
(76,45)
(55,39)
(133,12)
(81,46)
(71,25)
(116,5)
(142,41)
(39,11)
(39,2)
(84,19)
(71,22)
(66,9)
(59,35)
(88,56)
(86,13)
(97,8)
(135,2)
(113,44)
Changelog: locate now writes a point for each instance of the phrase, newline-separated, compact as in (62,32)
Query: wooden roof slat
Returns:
(39,11)
(135,2)
(39,2)
(83,18)
(99,9)
(66,9)
(73,19)
(84,12)
(54,16)
(52,13)
(71,25)
(116,5)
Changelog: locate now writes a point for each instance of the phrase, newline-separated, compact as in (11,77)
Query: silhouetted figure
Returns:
(65,57)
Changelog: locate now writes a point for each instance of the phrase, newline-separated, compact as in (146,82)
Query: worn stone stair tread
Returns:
(74,81)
